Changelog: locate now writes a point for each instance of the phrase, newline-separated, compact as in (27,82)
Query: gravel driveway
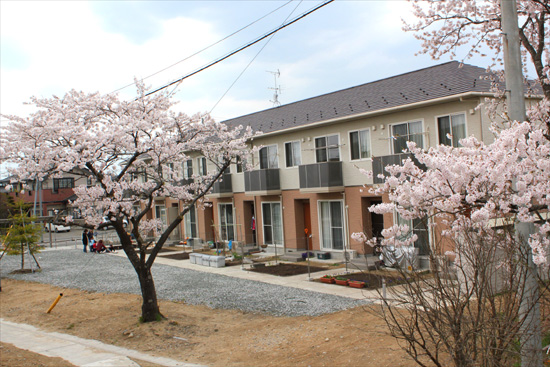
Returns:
(113,274)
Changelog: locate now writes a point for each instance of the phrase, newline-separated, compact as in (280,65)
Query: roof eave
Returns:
(460,96)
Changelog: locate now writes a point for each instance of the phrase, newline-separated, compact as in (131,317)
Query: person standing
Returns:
(85,240)
(91,239)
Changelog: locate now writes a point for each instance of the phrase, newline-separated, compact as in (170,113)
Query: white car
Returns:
(109,223)
(57,227)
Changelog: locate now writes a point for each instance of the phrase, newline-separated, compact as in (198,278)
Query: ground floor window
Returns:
(272,223)
(190,223)
(227,231)
(332,225)
(419,227)
(160,213)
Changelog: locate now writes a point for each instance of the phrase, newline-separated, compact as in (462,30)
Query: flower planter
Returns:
(328,280)
(341,281)
(356,284)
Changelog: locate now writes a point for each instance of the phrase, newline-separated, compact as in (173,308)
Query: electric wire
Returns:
(251,61)
(207,47)
(303,15)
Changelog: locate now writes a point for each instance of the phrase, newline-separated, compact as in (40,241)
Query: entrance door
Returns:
(377,221)
(307,222)
(249,223)
(207,231)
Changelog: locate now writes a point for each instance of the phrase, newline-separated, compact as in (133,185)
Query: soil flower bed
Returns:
(284,269)
(373,280)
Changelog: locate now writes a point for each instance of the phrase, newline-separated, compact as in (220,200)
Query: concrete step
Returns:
(293,257)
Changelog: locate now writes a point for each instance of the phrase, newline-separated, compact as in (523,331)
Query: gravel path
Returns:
(114,274)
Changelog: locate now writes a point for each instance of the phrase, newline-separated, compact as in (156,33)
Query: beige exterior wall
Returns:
(354,196)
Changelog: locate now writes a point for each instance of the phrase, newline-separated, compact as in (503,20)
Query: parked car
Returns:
(56,227)
(109,223)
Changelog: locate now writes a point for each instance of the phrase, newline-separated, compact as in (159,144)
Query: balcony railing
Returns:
(325,175)
(262,180)
(379,164)
(223,186)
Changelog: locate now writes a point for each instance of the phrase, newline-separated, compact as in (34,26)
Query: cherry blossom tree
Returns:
(467,196)
(472,27)
(131,152)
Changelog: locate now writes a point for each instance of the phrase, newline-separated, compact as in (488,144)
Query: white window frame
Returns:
(224,234)
(323,245)
(292,144)
(161,213)
(239,165)
(369,142)
(202,166)
(315,149)
(281,233)
(450,116)
(410,222)
(190,223)
(186,168)
(422,133)
(272,159)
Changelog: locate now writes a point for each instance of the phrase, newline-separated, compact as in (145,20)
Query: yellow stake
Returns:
(54,303)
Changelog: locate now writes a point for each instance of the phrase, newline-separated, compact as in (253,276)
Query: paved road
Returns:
(73,238)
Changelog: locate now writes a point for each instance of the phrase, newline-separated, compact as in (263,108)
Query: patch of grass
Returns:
(71,326)
(158,317)
(546,339)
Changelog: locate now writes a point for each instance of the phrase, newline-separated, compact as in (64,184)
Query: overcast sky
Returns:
(50,47)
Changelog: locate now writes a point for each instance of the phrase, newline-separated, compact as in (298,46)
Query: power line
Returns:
(241,48)
(251,61)
(207,47)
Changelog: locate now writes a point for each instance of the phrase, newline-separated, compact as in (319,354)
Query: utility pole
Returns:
(529,311)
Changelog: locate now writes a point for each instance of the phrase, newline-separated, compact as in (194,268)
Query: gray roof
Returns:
(439,81)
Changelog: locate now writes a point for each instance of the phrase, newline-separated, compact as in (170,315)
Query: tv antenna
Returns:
(276,89)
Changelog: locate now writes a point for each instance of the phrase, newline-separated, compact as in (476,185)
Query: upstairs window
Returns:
(268,157)
(188,169)
(408,131)
(454,125)
(239,164)
(201,164)
(169,171)
(359,142)
(327,149)
(293,154)
(63,183)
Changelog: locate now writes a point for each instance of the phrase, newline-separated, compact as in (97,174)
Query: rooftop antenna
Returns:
(276,89)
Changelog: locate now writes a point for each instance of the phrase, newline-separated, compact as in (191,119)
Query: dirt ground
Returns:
(14,357)
(198,334)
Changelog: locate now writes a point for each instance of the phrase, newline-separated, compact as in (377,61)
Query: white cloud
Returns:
(67,48)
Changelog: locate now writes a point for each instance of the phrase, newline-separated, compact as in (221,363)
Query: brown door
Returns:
(307,222)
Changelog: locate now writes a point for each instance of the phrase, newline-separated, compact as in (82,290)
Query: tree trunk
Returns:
(22,256)
(149,308)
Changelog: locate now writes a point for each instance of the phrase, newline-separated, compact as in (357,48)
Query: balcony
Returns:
(262,182)
(321,177)
(379,163)
(223,187)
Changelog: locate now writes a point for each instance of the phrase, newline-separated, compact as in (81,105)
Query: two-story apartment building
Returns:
(53,194)
(306,175)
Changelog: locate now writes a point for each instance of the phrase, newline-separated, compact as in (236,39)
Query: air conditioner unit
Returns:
(349,254)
